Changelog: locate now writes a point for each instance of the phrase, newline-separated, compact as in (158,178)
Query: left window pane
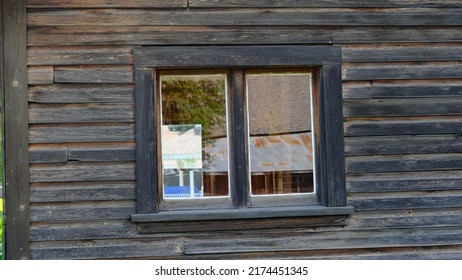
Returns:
(194,135)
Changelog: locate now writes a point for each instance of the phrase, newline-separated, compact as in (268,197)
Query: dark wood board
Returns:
(321,3)
(106,4)
(245,17)
(232,35)
(16,156)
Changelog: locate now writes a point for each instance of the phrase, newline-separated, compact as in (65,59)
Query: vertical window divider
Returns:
(239,140)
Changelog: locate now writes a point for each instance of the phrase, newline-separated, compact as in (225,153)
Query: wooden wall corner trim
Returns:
(15,124)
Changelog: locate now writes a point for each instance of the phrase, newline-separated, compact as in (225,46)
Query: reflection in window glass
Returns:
(280,133)
(194,136)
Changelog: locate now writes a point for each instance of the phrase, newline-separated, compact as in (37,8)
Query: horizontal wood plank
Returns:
(82,191)
(245,17)
(94,74)
(199,35)
(317,241)
(402,107)
(75,113)
(411,52)
(406,219)
(76,172)
(234,56)
(48,153)
(86,132)
(82,230)
(389,145)
(102,152)
(415,89)
(403,253)
(320,3)
(72,93)
(356,90)
(399,71)
(405,181)
(413,253)
(123,229)
(110,249)
(401,163)
(40,75)
(82,211)
(106,4)
(421,201)
(79,55)
(404,126)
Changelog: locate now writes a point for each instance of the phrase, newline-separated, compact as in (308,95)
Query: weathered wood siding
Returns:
(402,84)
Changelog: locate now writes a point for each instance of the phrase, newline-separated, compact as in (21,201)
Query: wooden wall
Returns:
(402,88)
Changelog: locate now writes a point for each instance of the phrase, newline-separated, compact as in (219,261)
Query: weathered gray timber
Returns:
(76,171)
(16,159)
(321,3)
(405,181)
(75,113)
(40,75)
(430,89)
(93,74)
(404,126)
(399,71)
(411,201)
(173,35)
(255,17)
(86,132)
(240,224)
(416,144)
(72,146)
(333,140)
(240,195)
(317,241)
(88,191)
(400,107)
(93,93)
(403,52)
(146,144)
(236,56)
(79,55)
(107,3)
(82,211)
(117,151)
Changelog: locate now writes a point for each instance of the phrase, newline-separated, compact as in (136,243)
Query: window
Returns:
(238,132)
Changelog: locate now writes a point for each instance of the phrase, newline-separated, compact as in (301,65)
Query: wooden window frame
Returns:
(330,165)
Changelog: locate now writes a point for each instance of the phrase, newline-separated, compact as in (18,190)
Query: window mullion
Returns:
(240,186)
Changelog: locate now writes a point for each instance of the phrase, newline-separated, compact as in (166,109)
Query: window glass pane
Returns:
(280,128)
(194,136)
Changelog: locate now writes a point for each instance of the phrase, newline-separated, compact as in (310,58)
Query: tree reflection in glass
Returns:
(194,136)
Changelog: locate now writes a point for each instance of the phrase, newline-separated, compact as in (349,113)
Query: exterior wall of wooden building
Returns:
(402,91)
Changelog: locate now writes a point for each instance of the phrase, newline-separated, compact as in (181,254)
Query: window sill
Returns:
(236,219)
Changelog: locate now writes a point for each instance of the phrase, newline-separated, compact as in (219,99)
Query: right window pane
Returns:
(280,133)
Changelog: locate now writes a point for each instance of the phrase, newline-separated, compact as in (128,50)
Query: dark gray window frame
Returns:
(331,190)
